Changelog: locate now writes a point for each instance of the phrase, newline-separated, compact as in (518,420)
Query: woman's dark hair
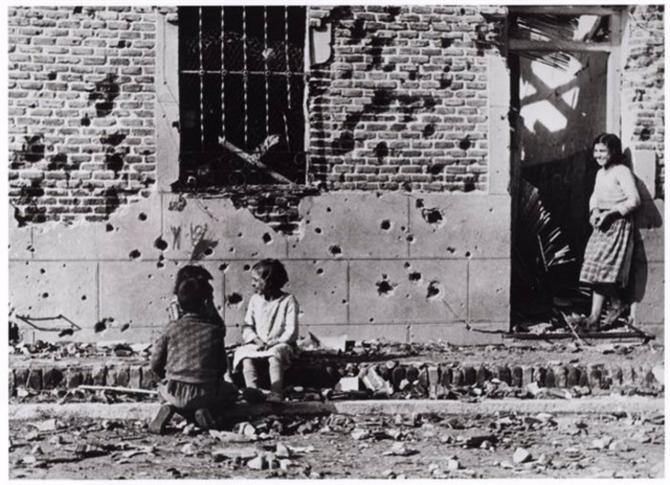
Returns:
(613,144)
(273,272)
(192,271)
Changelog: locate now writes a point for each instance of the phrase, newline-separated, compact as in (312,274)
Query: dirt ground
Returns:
(337,446)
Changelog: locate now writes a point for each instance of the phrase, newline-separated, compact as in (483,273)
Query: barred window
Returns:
(242,95)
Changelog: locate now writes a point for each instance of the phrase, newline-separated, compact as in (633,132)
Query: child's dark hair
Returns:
(192,294)
(613,144)
(273,272)
(192,271)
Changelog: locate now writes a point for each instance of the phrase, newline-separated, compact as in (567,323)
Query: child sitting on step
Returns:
(190,357)
(270,327)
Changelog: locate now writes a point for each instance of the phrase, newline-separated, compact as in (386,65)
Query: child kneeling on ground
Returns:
(270,327)
(190,356)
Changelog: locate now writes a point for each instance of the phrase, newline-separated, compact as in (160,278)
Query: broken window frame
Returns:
(218,148)
(612,46)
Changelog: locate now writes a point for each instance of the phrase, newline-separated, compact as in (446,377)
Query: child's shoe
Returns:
(274,397)
(253,395)
(204,419)
(160,421)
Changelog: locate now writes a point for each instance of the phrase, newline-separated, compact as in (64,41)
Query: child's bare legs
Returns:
(276,376)
(600,294)
(597,302)
(250,373)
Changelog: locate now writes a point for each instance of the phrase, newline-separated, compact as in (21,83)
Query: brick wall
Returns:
(81,116)
(643,83)
(403,101)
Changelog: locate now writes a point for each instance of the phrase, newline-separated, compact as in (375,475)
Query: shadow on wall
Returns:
(647,217)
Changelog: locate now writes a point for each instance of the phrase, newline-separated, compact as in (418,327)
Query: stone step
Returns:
(429,380)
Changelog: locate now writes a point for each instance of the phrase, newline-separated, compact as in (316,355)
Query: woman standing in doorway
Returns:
(609,251)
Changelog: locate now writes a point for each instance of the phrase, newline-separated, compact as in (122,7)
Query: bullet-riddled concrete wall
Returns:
(398,266)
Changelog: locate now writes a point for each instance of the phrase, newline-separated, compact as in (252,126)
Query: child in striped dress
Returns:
(609,251)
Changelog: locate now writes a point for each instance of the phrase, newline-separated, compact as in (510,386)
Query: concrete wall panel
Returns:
(47,289)
(352,225)
(225,232)
(129,233)
(386,332)
(489,283)
(652,307)
(19,240)
(450,225)
(393,291)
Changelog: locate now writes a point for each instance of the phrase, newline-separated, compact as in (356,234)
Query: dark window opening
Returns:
(242,89)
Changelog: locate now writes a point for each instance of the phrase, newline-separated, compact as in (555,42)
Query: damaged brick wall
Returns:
(643,83)
(402,103)
(81,110)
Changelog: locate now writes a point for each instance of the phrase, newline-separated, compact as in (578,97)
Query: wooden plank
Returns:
(250,159)
(564,9)
(557,46)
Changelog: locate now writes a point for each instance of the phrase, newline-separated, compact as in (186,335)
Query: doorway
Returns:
(564,68)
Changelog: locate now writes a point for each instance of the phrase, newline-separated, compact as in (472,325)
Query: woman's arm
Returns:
(626,181)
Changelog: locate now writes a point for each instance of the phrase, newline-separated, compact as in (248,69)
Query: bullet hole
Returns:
(436,169)
(51,76)
(234,299)
(42,271)
(381,151)
(428,130)
(83,297)
(415,276)
(134,254)
(328,209)
(125,327)
(371,320)
(465,143)
(223,267)
(412,75)
(645,134)
(317,230)
(451,250)
(267,239)
(335,250)
(446,42)
(407,264)
(468,185)
(467,254)
(385,288)
(160,265)
(239,234)
(446,81)
(142,216)
(66,332)
(344,302)
(432,215)
(410,238)
(122,44)
(385,225)
(319,271)
(246,267)
(101,325)
(160,244)
(462,11)
(114,162)
(45,295)
(33,148)
(85,121)
(114,139)
(434,290)
(104,94)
